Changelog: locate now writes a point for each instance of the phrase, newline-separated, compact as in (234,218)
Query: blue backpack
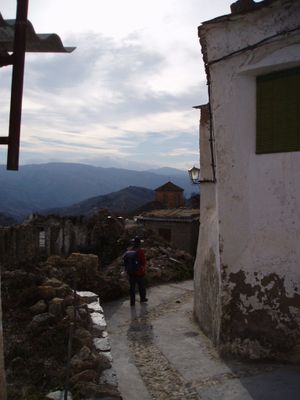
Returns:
(131,261)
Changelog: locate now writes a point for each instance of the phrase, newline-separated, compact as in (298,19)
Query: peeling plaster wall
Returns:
(258,196)
(207,278)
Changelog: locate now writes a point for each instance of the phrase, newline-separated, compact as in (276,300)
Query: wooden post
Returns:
(17,85)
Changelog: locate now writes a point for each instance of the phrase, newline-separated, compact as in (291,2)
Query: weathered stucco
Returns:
(207,279)
(257,206)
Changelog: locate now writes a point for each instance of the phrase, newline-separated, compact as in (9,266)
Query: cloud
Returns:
(130,95)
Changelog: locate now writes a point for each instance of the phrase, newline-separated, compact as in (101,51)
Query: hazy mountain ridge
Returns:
(38,187)
(121,202)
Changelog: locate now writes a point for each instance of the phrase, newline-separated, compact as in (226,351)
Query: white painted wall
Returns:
(257,203)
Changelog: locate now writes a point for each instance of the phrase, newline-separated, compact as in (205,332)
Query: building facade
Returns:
(247,275)
(178,226)
(169,195)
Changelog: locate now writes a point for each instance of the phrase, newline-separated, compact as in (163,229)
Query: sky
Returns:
(125,96)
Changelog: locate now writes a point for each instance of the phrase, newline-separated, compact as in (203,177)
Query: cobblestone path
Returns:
(162,380)
(160,353)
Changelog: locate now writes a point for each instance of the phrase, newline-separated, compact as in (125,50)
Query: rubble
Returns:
(39,305)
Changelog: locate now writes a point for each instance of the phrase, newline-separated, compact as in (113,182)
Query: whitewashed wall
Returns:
(257,197)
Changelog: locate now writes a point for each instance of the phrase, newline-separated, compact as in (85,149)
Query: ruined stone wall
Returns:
(42,237)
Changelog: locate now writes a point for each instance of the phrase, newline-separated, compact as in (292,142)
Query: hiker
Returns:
(135,266)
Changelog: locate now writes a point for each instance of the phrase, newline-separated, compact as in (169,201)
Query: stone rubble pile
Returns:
(49,309)
(92,374)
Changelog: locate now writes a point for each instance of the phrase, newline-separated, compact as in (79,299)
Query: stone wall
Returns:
(180,234)
(41,237)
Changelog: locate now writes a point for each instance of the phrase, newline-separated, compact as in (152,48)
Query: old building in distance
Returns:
(247,276)
(175,223)
(179,226)
(170,195)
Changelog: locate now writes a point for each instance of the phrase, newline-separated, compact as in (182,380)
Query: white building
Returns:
(247,270)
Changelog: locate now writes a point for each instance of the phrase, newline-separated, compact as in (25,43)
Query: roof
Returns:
(174,214)
(42,42)
(240,7)
(169,187)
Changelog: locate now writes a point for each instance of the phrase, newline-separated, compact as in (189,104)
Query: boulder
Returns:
(40,322)
(87,375)
(63,290)
(46,292)
(58,395)
(53,282)
(84,360)
(39,307)
(83,337)
(56,307)
(102,344)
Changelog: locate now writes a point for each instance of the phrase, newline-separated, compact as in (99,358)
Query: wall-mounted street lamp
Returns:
(194,174)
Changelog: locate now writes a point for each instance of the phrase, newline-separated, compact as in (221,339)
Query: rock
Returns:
(88,297)
(53,282)
(63,291)
(84,360)
(83,337)
(109,377)
(87,375)
(70,313)
(39,307)
(68,301)
(56,307)
(86,264)
(95,306)
(40,322)
(46,292)
(107,355)
(58,395)
(102,344)
(99,323)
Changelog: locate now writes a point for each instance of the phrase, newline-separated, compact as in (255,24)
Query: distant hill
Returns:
(6,220)
(122,202)
(41,186)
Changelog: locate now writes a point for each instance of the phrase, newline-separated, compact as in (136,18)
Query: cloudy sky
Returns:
(125,95)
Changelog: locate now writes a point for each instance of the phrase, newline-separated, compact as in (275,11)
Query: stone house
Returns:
(247,275)
(170,195)
(178,226)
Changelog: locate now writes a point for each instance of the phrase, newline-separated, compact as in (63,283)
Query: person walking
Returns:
(135,266)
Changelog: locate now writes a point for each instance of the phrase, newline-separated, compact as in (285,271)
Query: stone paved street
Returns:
(160,353)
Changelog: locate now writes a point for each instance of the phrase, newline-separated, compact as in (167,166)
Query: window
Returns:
(42,239)
(278,112)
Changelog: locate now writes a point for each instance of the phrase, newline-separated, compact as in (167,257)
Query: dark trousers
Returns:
(140,281)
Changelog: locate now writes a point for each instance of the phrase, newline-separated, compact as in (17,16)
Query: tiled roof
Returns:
(35,42)
(241,7)
(181,213)
(169,187)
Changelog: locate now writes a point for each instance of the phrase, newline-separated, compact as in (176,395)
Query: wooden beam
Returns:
(17,86)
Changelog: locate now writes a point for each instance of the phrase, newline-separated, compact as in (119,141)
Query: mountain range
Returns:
(38,187)
(122,202)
